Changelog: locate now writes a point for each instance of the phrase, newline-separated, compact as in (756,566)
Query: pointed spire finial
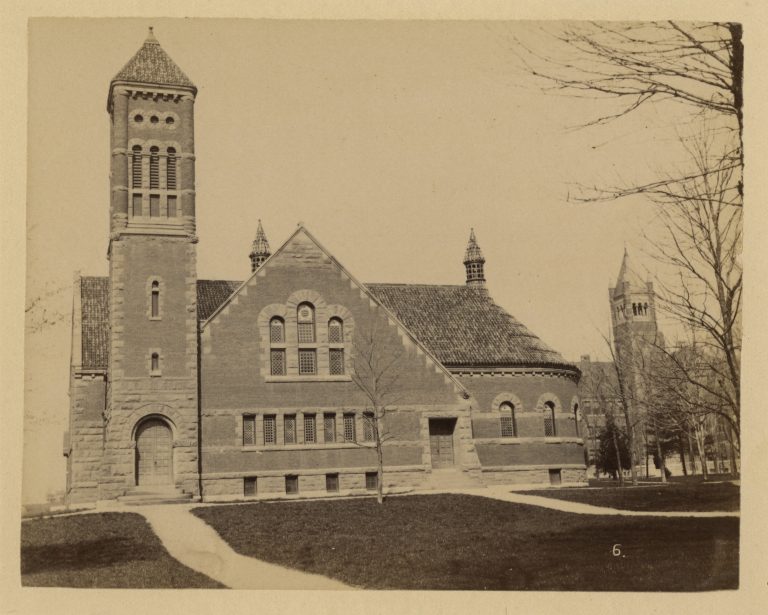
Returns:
(474,262)
(260,249)
(151,36)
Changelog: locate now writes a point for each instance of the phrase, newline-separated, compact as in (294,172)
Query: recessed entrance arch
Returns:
(154,453)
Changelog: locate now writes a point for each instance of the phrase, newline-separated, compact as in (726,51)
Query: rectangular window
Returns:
(371,481)
(349,428)
(289,429)
(332,483)
(508,427)
(249,485)
(329,427)
(270,422)
(336,361)
(310,432)
(549,426)
(277,362)
(249,430)
(292,484)
(306,332)
(307,362)
(171,206)
(276,330)
(137,205)
(154,205)
(368,424)
(555,477)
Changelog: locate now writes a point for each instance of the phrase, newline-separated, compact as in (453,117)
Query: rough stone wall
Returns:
(87,401)
(136,391)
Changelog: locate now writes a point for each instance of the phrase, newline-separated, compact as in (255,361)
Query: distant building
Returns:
(243,389)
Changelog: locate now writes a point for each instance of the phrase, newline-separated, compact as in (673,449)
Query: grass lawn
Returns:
(467,542)
(100,550)
(681,496)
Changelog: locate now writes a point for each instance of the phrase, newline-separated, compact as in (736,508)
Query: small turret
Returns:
(260,249)
(474,262)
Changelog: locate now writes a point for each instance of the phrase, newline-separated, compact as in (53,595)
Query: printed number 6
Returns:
(615,550)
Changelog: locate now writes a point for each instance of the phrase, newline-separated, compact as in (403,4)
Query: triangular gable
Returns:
(406,336)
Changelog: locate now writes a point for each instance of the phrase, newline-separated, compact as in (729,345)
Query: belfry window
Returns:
(170,171)
(136,164)
(155,300)
(154,167)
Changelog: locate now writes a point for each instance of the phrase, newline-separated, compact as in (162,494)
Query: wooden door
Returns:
(441,442)
(153,454)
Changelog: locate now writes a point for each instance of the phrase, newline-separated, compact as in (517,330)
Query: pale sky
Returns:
(388,140)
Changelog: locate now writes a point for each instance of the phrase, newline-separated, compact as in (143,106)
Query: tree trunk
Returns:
(702,454)
(681,444)
(379,460)
(618,457)
(662,463)
(691,452)
(732,452)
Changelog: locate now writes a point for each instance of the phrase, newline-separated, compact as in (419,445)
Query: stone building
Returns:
(228,390)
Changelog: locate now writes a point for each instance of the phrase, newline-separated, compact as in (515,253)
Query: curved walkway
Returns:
(504,494)
(196,544)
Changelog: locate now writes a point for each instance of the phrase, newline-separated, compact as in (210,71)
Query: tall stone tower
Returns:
(635,337)
(151,416)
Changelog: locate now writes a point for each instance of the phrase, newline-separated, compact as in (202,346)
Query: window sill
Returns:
(309,378)
(306,447)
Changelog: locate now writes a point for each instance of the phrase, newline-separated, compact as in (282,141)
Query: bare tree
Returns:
(702,243)
(376,371)
(699,65)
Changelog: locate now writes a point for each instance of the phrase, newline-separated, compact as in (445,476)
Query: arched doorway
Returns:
(154,453)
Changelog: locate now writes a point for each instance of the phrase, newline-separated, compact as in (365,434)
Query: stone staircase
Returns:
(140,496)
(451,478)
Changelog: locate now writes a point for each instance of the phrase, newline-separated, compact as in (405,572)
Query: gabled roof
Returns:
(211,294)
(463,326)
(460,326)
(151,64)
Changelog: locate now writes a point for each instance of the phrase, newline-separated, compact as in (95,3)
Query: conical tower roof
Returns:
(473,253)
(152,65)
(628,274)
(260,244)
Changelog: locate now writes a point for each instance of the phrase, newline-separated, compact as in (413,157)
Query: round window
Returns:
(154,119)
(169,120)
(138,118)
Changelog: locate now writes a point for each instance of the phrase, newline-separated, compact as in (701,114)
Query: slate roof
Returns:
(94,312)
(627,274)
(211,294)
(151,64)
(458,324)
(462,326)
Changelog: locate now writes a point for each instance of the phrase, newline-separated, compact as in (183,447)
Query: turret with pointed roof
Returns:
(474,262)
(151,65)
(260,249)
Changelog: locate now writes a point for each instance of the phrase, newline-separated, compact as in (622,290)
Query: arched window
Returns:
(335,331)
(155,363)
(634,309)
(645,309)
(305,319)
(154,167)
(550,428)
(277,346)
(508,421)
(336,352)
(155,300)
(136,164)
(170,169)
